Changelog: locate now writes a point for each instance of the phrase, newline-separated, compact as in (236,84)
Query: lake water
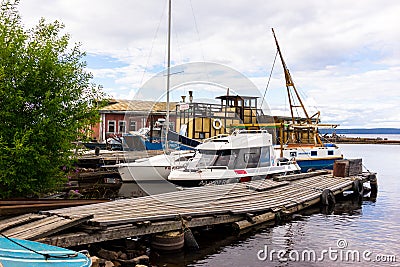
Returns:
(370,231)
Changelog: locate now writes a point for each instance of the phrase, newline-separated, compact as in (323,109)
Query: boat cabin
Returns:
(241,150)
(203,120)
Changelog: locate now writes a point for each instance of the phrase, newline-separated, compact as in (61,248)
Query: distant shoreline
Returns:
(377,131)
(360,140)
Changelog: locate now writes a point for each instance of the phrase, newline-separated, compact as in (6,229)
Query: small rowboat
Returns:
(23,253)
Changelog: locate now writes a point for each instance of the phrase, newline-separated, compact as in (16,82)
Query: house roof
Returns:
(123,105)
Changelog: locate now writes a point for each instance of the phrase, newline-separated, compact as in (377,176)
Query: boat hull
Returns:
(194,183)
(316,164)
(155,168)
(144,173)
(182,177)
(13,255)
(311,157)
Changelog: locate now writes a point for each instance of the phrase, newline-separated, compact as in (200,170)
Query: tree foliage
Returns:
(46,102)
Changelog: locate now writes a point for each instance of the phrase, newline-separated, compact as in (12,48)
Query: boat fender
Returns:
(373,183)
(189,240)
(358,188)
(97,151)
(278,217)
(217,124)
(328,198)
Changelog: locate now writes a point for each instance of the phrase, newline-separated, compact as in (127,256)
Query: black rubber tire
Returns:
(358,188)
(328,198)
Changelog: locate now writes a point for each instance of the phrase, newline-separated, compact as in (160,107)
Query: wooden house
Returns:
(124,116)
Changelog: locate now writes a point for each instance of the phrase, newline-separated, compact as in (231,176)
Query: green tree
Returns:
(46,102)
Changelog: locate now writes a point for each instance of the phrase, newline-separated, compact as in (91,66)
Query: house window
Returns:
(111,126)
(122,127)
(314,153)
(132,125)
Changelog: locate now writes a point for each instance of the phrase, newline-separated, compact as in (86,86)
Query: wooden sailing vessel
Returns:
(299,138)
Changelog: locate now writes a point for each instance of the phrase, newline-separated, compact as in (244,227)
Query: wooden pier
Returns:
(108,157)
(21,206)
(243,204)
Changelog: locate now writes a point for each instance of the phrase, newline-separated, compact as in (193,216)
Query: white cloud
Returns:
(343,55)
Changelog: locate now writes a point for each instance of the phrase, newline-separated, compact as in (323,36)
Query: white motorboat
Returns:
(154,168)
(243,156)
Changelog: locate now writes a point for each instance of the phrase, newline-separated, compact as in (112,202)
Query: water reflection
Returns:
(303,230)
(371,224)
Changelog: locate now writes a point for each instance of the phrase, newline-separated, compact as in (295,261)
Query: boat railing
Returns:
(217,167)
(236,132)
(215,137)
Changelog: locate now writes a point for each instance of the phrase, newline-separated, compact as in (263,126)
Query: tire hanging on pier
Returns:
(328,200)
(373,183)
(358,188)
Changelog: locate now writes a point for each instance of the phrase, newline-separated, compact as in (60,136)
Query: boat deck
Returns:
(191,207)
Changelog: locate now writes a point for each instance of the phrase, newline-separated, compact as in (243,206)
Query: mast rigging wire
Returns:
(152,44)
(269,79)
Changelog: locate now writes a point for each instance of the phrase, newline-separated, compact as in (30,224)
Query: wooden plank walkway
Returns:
(199,206)
(21,206)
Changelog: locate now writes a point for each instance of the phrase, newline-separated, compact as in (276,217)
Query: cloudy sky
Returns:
(344,56)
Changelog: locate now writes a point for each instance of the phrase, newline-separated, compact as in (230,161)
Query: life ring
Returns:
(215,122)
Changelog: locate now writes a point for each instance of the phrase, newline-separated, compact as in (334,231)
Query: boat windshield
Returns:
(210,158)
(231,158)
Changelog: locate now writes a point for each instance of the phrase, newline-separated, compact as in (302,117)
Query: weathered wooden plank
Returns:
(292,177)
(82,238)
(233,206)
(7,223)
(206,205)
(44,227)
(265,185)
(13,232)
(141,205)
(112,212)
(255,220)
(60,227)
(180,197)
(214,204)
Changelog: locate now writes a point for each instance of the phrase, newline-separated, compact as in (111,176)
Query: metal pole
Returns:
(168,74)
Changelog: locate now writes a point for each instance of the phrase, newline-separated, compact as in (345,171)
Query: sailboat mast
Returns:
(289,84)
(168,75)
